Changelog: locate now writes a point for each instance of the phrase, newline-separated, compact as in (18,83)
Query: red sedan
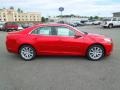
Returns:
(57,39)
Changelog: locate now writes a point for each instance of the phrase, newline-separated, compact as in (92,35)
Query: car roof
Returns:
(27,30)
(52,24)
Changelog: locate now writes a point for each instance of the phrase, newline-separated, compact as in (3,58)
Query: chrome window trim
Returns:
(50,35)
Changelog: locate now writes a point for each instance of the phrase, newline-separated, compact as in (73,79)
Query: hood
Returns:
(95,37)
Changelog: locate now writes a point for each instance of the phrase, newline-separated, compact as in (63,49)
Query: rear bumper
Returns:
(11,46)
(11,49)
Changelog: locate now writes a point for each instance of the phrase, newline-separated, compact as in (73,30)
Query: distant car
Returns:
(111,22)
(10,26)
(62,22)
(90,22)
(97,22)
(57,39)
(25,25)
(1,25)
(20,27)
(73,24)
(30,24)
(79,24)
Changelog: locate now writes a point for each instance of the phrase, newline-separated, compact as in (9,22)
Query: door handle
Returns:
(35,38)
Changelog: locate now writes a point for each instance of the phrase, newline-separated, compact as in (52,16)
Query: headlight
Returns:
(108,40)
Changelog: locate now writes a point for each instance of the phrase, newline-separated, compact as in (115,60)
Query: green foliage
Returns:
(96,17)
(43,19)
(12,7)
(91,18)
(19,10)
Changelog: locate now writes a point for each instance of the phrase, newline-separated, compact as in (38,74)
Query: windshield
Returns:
(77,29)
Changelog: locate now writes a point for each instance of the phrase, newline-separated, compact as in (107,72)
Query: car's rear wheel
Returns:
(27,52)
(95,52)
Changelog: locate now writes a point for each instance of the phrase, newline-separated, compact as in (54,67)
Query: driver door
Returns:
(69,44)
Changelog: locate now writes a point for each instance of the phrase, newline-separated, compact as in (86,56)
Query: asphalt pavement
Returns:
(61,72)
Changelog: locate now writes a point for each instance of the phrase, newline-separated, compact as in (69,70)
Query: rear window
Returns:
(43,31)
(107,20)
(9,23)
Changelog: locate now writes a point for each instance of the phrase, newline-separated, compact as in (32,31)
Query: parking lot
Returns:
(61,73)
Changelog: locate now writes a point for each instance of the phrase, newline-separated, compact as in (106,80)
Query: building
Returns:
(10,15)
(116,14)
(68,19)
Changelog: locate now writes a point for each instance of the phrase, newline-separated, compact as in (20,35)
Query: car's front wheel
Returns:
(110,26)
(27,52)
(95,52)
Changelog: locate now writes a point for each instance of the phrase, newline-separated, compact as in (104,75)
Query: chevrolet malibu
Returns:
(57,39)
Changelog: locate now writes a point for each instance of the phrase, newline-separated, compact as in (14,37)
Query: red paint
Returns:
(55,45)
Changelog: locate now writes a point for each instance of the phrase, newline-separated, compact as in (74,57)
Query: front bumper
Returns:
(108,49)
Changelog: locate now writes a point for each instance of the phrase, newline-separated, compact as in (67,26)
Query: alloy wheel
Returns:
(96,52)
(27,52)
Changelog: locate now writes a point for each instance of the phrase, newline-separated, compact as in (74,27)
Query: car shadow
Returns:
(16,57)
(60,58)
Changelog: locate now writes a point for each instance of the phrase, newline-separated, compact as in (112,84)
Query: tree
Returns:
(91,17)
(42,19)
(96,17)
(18,10)
(46,19)
(12,7)
(101,18)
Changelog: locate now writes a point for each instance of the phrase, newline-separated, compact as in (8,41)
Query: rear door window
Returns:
(45,31)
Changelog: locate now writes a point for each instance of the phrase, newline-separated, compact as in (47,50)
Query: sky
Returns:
(103,8)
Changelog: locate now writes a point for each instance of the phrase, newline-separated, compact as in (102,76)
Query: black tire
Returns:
(98,58)
(104,27)
(32,50)
(7,30)
(110,26)
(99,23)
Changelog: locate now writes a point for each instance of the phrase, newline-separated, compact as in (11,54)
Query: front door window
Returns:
(63,31)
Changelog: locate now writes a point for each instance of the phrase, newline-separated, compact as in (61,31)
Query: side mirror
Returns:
(77,36)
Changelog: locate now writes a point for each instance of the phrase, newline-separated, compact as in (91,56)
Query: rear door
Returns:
(46,40)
